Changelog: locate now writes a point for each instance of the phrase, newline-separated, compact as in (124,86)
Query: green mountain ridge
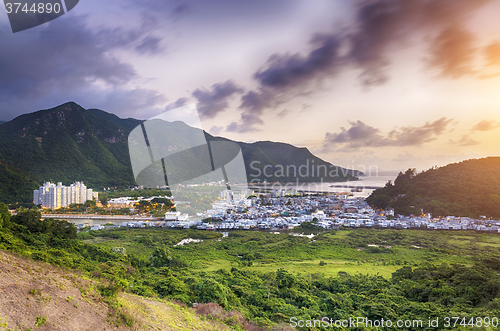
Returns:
(68,143)
(15,183)
(279,156)
(469,188)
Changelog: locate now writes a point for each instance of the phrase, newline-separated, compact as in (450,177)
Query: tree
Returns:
(402,179)
(307,225)
(4,215)
(285,279)
(32,220)
(163,201)
(90,203)
(209,290)
(104,199)
(248,257)
(172,287)
(380,201)
(160,258)
(29,218)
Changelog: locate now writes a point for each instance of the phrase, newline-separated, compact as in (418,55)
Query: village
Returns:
(284,210)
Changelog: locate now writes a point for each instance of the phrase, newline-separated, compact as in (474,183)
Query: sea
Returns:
(362,187)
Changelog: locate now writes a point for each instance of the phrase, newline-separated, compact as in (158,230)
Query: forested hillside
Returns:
(16,185)
(69,143)
(469,188)
(256,280)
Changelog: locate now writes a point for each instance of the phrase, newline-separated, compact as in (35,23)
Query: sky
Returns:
(384,84)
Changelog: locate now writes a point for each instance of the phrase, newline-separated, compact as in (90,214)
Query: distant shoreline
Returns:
(357,186)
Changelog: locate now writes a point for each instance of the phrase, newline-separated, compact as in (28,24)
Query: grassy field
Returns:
(332,267)
(353,251)
(484,240)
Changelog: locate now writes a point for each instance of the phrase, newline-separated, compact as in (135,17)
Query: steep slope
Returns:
(69,143)
(469,188)
(36,295)
(16,185)
(281,162)
(290,159)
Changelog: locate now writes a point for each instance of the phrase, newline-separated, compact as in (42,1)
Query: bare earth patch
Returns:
(44,297)
(38,296)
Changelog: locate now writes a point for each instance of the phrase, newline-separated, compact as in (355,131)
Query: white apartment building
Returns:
(57,196)
(229,195)
(226,195)
(176,216)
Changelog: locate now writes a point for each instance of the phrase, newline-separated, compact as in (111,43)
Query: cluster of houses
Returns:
(277,211)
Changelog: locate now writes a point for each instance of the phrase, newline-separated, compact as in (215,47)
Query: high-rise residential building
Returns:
(226,195)
(229,195)
(57,196)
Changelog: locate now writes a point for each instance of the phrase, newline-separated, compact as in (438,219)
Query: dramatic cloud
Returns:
(486,125)
(379,27)
(466,140)
(358,135)
(283,113)
(249,122)
(65,58)
(253,104)
(286,76)
(215,100)
(492,54)
(177,103)
(150,45)
(362,135)
(209,102)
(284,71)
(452,52)
(216,130)
(384,24)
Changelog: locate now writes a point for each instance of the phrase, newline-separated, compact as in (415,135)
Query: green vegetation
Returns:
(469,188)
(15,184)
(373,273)
(269,278)
(285,163)
(69,142)
(155,207)
(31,221)
(40,320)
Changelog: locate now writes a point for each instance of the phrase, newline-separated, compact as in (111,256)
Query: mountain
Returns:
(15,184)
(281,162)
(2,122)
(469,188)
(69,143)
(63,300)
